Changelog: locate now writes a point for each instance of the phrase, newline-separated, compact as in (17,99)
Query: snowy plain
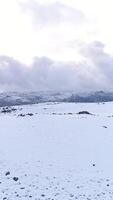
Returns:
(56,153)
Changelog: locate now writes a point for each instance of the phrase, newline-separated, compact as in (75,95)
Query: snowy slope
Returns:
(19,98)
(56,153)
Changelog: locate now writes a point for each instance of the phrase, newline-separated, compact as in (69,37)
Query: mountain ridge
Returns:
(18,98)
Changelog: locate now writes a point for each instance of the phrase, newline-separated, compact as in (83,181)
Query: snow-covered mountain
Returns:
(15,98)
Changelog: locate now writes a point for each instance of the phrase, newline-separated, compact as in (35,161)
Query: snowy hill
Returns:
(15,98)
(55,151)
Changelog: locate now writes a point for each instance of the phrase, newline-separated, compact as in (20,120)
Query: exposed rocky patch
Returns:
(24,115)
(21,115)
(8,110)
(84,113)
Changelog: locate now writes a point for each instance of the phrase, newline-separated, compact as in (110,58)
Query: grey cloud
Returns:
(100,59)
(52,13)
(46,74)
(12,74)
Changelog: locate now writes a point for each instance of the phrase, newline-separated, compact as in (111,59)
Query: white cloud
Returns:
(52,13)
(60,29)
(56,24)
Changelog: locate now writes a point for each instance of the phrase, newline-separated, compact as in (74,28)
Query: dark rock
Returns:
(7,173)
(22,188)
(42,195)
(71,195)
(15,178)
(8,110)
(105,127)
(21,115)
(29,114)
(84,113)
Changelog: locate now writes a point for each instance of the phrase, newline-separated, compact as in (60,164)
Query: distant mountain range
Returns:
(16,98)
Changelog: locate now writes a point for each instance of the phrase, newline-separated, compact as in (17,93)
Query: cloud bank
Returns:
(94,72)
(52,13)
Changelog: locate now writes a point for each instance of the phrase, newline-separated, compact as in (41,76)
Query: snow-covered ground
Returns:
(57,154)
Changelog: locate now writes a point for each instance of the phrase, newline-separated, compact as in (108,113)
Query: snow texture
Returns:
(49,151)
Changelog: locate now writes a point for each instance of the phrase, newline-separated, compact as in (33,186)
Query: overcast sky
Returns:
(63,44)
